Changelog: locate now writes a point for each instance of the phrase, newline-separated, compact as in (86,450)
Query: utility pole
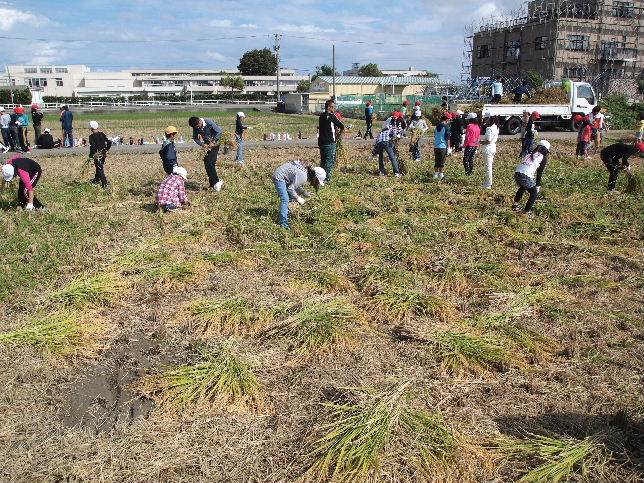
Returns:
(333,67)
(276,47)
(10,83)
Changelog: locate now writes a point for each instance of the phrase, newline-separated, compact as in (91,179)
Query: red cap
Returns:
(19,110)
(406,102)
(35,106)
(640,146)
(417,103)
(536,115)
(338,115)
(399,114)
(578,118)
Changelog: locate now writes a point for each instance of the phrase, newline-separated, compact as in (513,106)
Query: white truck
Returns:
(582,101)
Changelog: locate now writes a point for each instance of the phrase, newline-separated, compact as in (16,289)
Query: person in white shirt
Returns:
(417,122)
(597,120)
(5,120)
(497,90)
(528,176)
(489,146)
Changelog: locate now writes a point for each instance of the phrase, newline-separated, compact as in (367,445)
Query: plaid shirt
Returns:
(172,191)
(389,135)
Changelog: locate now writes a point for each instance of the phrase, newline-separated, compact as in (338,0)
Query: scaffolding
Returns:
(597,41)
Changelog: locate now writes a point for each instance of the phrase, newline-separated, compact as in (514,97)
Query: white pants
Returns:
(489,152)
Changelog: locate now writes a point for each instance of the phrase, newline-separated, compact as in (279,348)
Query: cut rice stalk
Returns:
(561,458)
(355,445)
(458,351)
(97,290)
(319,325)
(233,316)
(221,380)
(61,334)
(400,304)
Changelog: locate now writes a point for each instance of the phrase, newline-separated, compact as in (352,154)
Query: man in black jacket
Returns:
(36,119)
(615,157)
(99,145)
(329,129)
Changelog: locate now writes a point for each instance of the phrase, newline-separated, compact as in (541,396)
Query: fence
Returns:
(383,104)
(150,103)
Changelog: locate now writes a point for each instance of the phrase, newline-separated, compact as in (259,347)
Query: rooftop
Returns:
(393,80)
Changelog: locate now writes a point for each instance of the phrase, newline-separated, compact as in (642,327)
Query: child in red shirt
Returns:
(584,138)
(472,138)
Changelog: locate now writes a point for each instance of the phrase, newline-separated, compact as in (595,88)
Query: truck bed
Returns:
(510,110)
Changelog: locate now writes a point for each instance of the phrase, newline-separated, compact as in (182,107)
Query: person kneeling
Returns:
(171,195)
(289,180)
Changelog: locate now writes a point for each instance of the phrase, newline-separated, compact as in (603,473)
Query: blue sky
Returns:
(435,28)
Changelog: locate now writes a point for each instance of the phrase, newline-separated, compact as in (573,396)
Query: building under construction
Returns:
(598,41)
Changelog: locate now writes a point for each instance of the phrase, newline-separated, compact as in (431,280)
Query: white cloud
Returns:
(9,17)
(251,26)
(222,24)
(47,53)
(217,56)
(303,29)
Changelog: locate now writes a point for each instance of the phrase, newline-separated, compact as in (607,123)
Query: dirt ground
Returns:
(571,279)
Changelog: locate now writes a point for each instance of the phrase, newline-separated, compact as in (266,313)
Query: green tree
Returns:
(323,70)
(304,86)
(235,82)
(534,79)
(258,62)
(369,70)
(21,95)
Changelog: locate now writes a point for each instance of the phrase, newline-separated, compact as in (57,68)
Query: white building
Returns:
(411,72)
(79,81)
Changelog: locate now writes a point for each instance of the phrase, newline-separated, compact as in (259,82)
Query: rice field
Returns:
(404,330)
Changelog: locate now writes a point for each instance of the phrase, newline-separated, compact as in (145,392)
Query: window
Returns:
(61,70)
(513,50)
(614,73)
(586,92)
(623,9)
(31,70)
(37,82)
(578,42)
(45,70)
(59,83)
(575,73)
(482,51)
(541,43)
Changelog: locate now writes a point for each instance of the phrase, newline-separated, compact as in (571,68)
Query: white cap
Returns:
(93,125)
(320,175)
(487,115)
(47,130)
(459,112)
(241,114)
(545,144)
(180,171)
(7,172)
(472,115)
(1,109)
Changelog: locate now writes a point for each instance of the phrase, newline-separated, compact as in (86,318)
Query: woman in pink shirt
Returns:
(29,172)
(472,138)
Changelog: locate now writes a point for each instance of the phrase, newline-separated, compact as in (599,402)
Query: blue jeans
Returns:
(240,148)
(282,191)
(68,138)
(389,147)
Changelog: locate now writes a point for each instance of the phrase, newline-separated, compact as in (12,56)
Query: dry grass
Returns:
(97,290)
(400,304)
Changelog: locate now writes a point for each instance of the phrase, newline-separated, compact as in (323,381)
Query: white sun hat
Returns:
(545,144)
(472,115)
(180,171)
(320,174)
(93,125)
(241,114)
(8,172)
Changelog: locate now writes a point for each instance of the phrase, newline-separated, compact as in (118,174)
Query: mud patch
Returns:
(104,396)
